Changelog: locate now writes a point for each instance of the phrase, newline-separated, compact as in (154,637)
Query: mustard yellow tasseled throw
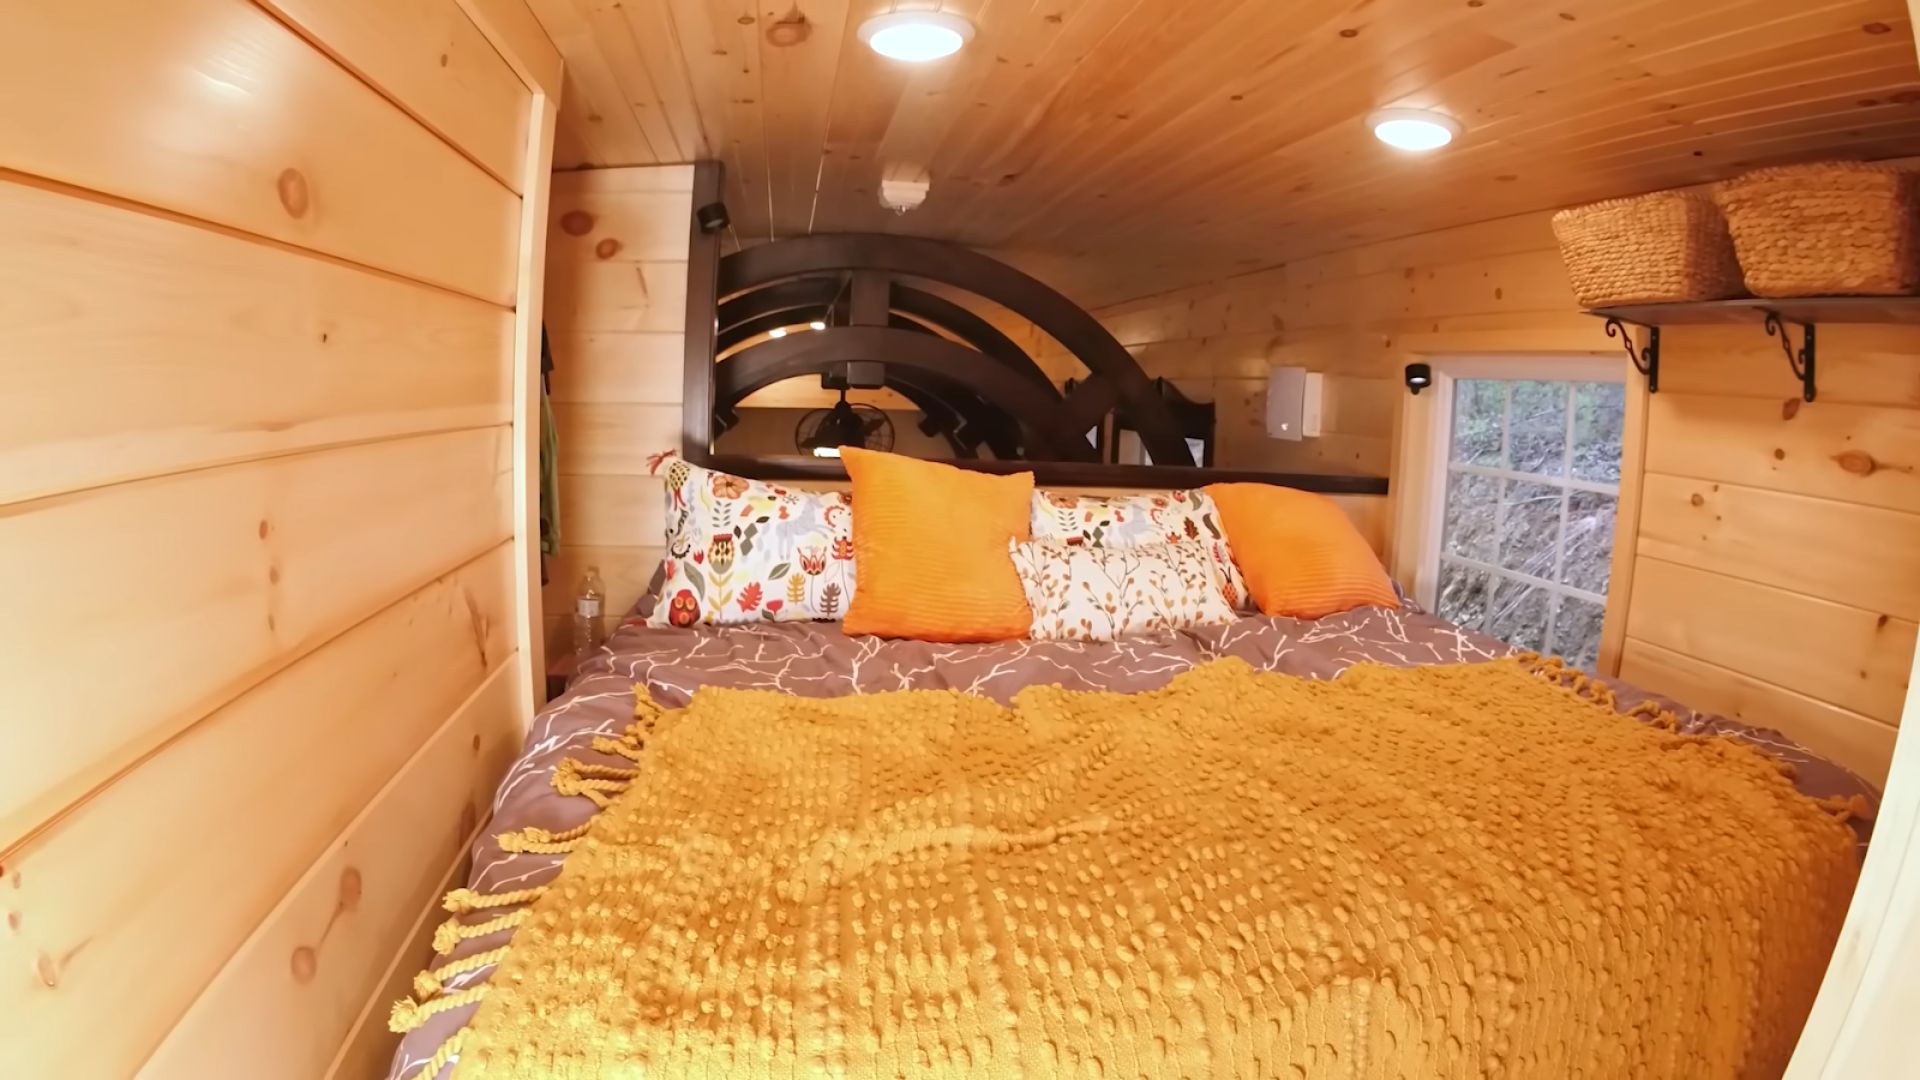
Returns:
(1439,872)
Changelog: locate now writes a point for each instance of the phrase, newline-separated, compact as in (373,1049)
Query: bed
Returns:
(819,661)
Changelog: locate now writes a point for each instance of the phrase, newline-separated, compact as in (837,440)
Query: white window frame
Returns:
(1426,525)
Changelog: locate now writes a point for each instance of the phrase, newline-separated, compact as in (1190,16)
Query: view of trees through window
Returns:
(1533,477)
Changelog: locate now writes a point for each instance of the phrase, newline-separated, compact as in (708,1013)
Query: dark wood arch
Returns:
(933,361)
(1114,380)
(947,409)
(795,300)
(872,285)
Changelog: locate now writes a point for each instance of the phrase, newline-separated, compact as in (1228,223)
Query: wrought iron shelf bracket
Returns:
(1801,361)
(1779,315)
(1645,361)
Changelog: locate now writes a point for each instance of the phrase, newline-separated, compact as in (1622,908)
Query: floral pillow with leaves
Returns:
(1150,517)
(1079,592)
(746,551)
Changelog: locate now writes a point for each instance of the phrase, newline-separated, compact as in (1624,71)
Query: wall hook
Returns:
(1645,361)
(1802,362)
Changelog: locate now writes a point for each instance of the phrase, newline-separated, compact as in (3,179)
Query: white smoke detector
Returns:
(901,196)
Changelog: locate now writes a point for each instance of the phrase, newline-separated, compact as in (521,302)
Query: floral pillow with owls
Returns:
(746,551)
(1150,517)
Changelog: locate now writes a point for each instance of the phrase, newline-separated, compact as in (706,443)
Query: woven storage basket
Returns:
(1832,229)
(1666,247)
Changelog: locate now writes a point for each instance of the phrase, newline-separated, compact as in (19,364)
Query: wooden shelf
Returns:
(1778,316)
(1811,309)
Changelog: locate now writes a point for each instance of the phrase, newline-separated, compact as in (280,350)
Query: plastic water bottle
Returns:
(589,620)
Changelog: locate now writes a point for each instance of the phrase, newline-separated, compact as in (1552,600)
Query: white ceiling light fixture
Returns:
(777,332)
(1413,129)
(816,325)
(916,36)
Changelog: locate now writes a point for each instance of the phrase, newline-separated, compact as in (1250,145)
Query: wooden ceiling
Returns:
(1124,147)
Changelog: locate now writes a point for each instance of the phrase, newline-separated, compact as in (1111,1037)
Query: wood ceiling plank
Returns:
(1128,147)
(1313,162)
(1669,149)
(1317,151)
(796,94)
(656,36)
(999,140)
(592,94)
(637,81)
(867,90)
(1100,117)
(722,55)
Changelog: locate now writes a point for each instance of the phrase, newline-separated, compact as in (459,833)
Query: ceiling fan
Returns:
(823,432)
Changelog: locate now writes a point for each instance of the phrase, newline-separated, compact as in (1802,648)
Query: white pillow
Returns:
(746,551)
(1150,517)
(1084,593)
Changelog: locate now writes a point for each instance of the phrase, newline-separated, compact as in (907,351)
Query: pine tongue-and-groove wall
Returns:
(1774,571)
(616,319)
(259,272)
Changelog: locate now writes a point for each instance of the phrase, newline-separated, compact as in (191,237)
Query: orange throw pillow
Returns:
(1299,551)
(930,550)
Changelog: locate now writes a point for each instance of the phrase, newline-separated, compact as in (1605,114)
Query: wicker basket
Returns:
(1832,229)
(1666,247)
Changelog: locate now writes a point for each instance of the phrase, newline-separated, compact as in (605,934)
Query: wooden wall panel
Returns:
(1853,658)
(369,1049)
(1859,555)
(1357,317)
(257,321)
(235,572)
(290,995)
(641,368)
(428,56)
(216,110)
(617,254)
(616,297)
(518,37)
(1852,453)
(1804,517)
(1838,734)
(171,869)
(615,438)
(137,346)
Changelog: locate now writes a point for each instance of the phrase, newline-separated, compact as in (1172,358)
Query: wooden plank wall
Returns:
(1779,547)
(1773,573)
(1357,316)
(616,317)
(257,276)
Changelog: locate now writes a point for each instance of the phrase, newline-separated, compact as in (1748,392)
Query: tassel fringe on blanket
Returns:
(1428,871)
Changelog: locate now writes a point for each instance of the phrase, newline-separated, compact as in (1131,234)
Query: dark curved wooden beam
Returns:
(800,294)
(1034,408)
(946,315)
(1053,313)
(738,335)
(783,303)
(948,407)
(951,409)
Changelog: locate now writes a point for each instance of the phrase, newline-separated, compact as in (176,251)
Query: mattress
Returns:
(820,661)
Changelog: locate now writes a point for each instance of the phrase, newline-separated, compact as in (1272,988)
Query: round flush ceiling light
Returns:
(1413,129)
(916,36)
(777,332)
(816,325)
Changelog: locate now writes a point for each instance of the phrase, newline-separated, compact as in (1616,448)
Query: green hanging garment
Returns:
(549,458)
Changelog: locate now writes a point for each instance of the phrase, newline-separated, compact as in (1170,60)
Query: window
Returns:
(1532,479)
